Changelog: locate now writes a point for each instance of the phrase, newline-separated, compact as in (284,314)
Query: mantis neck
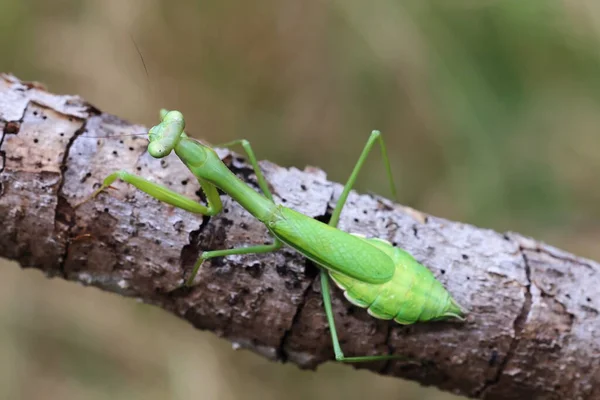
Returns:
(204,163)
(256,204)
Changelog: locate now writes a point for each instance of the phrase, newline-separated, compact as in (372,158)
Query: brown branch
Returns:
(534,327)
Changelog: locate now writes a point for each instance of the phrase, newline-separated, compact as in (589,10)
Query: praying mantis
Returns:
(373,273)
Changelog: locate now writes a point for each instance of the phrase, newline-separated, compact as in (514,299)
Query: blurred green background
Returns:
(489,109)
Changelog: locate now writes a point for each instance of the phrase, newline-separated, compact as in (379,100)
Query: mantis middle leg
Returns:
(262,183)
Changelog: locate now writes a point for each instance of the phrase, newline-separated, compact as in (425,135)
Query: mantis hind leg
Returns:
(337,349)
(335,216)
(375,136)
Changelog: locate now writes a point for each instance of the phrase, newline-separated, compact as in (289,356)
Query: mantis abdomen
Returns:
(413,294)
(374,274)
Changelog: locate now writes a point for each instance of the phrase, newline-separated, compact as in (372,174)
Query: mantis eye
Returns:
(158,150)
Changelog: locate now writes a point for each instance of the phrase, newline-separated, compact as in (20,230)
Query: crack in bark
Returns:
(561,258)
(281,353)
(308,264)
(9,128)
(62,202)
(539,247)
(62,205)
(518,326)
(2,153)
(190,253)
(388,363)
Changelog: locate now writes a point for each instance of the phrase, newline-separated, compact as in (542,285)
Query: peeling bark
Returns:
(533,329)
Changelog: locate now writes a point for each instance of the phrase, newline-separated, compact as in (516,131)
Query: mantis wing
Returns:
(331,248)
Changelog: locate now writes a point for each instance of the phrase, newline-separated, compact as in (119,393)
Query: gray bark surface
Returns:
(533,330)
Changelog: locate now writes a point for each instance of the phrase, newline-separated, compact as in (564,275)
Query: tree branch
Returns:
(533,329)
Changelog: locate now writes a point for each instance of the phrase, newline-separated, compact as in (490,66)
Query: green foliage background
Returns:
(489,109)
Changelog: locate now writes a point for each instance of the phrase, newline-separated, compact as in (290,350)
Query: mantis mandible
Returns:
(373,274)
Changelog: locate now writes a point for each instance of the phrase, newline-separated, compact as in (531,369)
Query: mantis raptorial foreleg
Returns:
(164,194)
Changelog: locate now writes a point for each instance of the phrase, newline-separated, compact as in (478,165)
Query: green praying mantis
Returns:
(373,273)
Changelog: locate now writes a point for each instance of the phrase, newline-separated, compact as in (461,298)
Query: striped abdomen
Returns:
(412,294)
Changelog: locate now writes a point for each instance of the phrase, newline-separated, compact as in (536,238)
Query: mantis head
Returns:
(165,136)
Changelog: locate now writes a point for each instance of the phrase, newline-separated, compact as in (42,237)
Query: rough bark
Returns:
(533,330)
